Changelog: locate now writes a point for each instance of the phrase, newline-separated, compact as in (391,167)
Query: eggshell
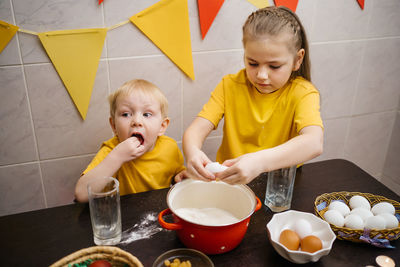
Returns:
(339,206)
(289,239)
(354,221)
(311,244)
(375,222)
(362,212)
(383,207)
(303,228)
(215,167)
(359,202)
(334,217)
(390,220)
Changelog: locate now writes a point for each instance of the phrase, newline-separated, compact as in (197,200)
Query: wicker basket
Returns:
(114,255)
(378,238)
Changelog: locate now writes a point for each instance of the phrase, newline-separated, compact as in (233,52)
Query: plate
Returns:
(195,257)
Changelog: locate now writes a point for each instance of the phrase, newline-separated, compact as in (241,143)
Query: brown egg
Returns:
(289,239)
(311,244)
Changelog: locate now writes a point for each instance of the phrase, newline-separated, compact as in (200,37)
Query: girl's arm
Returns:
(192,142)
(307,145)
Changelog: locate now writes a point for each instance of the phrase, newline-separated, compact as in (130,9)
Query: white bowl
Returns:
(287,220)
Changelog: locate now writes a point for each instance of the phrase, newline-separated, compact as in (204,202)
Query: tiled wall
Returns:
(45,144)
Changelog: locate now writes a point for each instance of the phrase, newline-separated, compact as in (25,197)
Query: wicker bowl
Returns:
(114,255)
(379,238)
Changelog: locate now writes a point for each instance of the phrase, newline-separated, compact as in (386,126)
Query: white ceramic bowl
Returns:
(287,220)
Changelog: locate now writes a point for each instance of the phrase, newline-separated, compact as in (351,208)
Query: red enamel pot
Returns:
(238,200)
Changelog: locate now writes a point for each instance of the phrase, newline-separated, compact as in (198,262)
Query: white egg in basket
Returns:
(287,220)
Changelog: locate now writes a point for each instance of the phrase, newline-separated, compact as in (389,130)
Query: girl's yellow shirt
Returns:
(255,121)
(153,170)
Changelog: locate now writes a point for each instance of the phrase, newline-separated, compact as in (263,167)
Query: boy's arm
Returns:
(123,152)
(307,145)
(192,142)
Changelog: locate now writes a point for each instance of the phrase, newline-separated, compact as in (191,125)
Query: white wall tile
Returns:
(60,177)
(10,54)
(368,141)
(378,87)
(20,189)
(335,74)
(385,19)
(16,134)
(59,127)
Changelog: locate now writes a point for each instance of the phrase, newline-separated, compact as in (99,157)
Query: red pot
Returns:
(239,200)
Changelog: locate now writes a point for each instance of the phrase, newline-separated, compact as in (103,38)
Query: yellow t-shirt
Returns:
(153,170)
(255,121)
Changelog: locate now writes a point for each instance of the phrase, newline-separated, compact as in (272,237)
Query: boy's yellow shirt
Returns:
(153,170)
(255,121)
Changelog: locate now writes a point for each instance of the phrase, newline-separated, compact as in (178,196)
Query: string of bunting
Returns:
(75,54)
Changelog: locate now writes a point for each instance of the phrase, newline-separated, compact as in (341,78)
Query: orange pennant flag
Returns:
(7,32)
(166,24)
(291,4)
(361,3)
(208,10)
(259,3)
(75,54)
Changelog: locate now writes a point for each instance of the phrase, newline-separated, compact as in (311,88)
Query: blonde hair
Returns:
(142,86)
(272,21)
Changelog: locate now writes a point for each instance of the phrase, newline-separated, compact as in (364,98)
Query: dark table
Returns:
(39,238)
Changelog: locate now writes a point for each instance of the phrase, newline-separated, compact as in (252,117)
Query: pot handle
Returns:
(168,226)
(258,206)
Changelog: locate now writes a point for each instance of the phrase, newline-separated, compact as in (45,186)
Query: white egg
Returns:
(215,167)
(375,222)
(390,220)
(334,217)
(354,221)
(383,207)
(363,213)
(340,207)
(302,228)
(359,202)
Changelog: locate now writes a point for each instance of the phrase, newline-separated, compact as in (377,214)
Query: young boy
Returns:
(139,155)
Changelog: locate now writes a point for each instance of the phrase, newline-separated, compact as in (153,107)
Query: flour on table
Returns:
(146,228)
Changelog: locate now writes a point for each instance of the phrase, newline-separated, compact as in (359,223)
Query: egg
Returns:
(339,206)
(311,244)
(334,217)
(390,220)
(354,221)
(290,239)
(359,202)
(383,207)
(215,167)
(302,228)
(375,222)
(363,213)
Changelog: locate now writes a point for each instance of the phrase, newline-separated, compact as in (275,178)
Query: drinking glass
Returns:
(105,210)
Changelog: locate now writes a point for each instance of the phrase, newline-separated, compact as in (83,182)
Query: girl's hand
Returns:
(195,166)
(129,149)
(242,170)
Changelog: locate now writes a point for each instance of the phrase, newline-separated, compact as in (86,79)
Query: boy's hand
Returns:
(180,176)
(242,170)
(196,166)
(129,149)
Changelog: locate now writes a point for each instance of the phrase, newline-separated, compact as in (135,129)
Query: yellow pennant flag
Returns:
(75,55)
(166,24)
(7,32)
(259,3)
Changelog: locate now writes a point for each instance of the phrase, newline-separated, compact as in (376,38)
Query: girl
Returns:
(270,108)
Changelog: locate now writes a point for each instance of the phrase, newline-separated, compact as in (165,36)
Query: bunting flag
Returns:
(361,3)
(166,24)
(291,4)
(7,32)
(208,10)
(259,3)
(75,54)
